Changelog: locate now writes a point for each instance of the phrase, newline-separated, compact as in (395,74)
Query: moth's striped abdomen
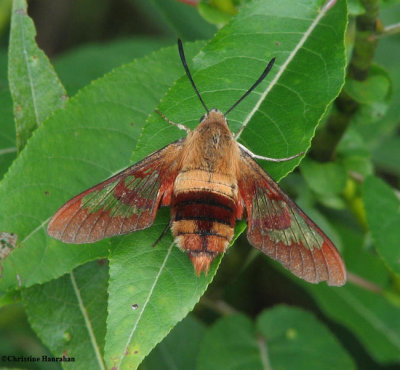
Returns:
(203,215)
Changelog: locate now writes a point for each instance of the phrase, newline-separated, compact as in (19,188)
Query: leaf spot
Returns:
(67,336)
(20,11)
(291,334)
(19,280)
(102,262)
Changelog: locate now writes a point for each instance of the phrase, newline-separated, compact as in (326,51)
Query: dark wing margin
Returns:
(126,202)
(280,229)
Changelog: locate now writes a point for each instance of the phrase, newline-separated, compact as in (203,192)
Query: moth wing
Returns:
(126,202)
(280,229)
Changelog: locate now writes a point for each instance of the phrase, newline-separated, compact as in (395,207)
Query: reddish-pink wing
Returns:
(280,229)
(124,203)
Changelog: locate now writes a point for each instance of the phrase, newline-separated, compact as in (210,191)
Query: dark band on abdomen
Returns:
(202,233)
(203,221)
(202,218)
(210,202)
(204,208)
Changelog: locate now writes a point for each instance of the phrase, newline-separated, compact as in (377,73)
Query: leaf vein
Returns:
(87,322)
(145,304)
(283,67)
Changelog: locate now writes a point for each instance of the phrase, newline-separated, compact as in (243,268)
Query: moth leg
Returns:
(167,227)
(255,156)
(179,125)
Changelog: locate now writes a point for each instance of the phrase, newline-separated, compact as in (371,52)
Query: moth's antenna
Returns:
(183,59)
(264,74)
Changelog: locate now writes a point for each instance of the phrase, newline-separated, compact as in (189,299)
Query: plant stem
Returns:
(219,306)
(360,178)
(363,283)
(327,139)
(388,31)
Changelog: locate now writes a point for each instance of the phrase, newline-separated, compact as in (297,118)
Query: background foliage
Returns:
(77,104)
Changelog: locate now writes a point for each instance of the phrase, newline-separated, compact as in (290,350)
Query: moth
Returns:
(209,180)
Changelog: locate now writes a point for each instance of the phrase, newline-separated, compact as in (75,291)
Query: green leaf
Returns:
(176,351)
(231,343)
(355,7)
(324,178)
(180,19)
(327,180)
(376,88)
(369,316)
(360,164)
(354,153)
(390,5)
(217,12)
(9,298)
(5,8)
(84,64)
(18,339)
(382,208)
(293,336)
(35,88)
(353,143)
(8,147)
(69,314)
(281,115)
(79,146)
(281,337)
(386,155)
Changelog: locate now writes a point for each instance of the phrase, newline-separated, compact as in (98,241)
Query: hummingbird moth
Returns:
(209,180)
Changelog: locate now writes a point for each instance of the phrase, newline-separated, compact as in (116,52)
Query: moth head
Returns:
(214,114)
(212,119)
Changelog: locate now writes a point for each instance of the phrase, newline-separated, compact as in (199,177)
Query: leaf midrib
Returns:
(33,96)
(370,317)
(136,324)
(88,323)
(283,67)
